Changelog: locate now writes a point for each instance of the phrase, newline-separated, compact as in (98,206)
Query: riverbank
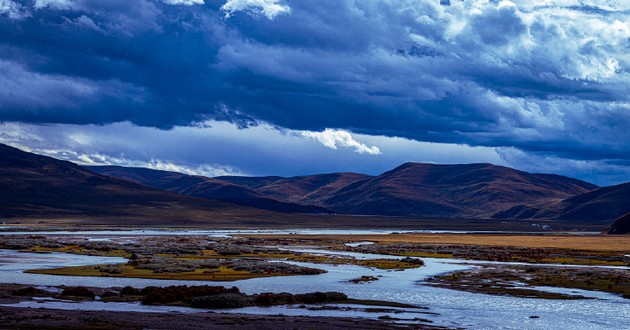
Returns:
(21,318)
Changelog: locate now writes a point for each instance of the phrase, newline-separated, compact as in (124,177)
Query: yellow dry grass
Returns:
(223,273)
(613,243)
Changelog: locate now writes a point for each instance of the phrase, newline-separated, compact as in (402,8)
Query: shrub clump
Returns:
(28,291)
(413,261)
(130,291)
(153,295)
(270,299)
(108,294)
(217,297)
(223,300)
(78,291)
(111,269)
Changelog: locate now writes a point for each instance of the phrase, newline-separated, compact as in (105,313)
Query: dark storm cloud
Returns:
(545,79)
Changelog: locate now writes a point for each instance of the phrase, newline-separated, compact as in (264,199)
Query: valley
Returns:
(421,246)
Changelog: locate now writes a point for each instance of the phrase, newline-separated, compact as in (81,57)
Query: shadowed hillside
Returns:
(603,203)
(621,225)
(204,187)
(39,186)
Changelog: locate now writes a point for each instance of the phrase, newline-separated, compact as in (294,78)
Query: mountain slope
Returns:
(251,182)
(412,189)
(471,190)
(310,189)
(204,187)
(36,186)
(144,176)
(621,225)
(603,203)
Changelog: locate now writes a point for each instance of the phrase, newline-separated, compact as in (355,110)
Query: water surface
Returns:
(455,308)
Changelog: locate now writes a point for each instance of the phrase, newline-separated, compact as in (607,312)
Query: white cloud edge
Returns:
(209,170)
(99,159)
(184,2)
(13,10)
(334,138)
(267,8)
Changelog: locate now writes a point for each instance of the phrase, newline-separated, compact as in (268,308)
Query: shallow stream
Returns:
(453,308)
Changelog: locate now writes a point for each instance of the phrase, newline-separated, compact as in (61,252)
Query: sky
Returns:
(295,87)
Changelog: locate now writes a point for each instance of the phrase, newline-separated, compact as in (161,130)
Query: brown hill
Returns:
(598,205)
(251,182)
(412,189)
(204,187)
(310,189)
(40,186)
(603,203)
(471,190)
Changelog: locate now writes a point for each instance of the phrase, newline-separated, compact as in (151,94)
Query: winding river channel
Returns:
(447,307)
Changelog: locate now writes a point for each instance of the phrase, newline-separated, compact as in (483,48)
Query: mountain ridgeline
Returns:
(482,191)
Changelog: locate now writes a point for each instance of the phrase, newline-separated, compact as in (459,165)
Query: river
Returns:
(453,308)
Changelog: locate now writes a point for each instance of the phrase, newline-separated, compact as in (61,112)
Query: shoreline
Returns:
(29,318)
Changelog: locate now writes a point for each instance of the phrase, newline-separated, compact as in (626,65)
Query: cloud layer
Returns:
(547,79)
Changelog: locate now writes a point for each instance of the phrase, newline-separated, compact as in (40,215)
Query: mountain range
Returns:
(39,185)
(412,189)
(42,187)
(204,187)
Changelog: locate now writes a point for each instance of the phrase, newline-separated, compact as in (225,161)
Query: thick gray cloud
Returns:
(548,78)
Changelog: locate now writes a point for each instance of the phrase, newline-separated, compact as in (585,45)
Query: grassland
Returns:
(220,274)
(613,243)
